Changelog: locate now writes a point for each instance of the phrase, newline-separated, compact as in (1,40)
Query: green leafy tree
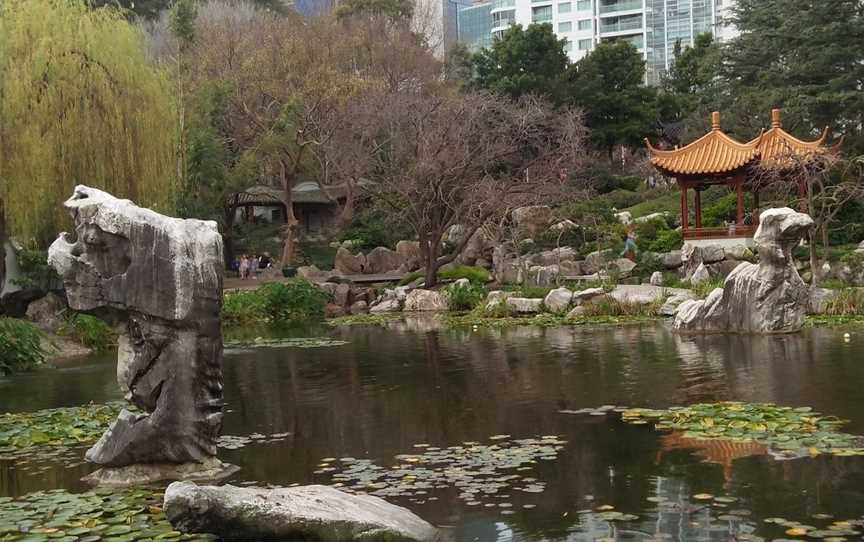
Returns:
(80,103)
(524,61)
(802,55)
(609,85)
(691,81)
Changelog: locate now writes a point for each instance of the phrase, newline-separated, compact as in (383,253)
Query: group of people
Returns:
(248,266)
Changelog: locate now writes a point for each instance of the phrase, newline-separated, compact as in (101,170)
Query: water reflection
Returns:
(411,382)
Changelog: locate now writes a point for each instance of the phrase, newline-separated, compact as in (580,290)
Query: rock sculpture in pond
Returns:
(161,277)
(768,297)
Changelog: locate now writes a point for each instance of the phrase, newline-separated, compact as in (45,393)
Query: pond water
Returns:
(390,388)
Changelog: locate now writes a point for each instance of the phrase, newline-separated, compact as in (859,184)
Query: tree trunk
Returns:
(814,263)
(430,245)
(2,246)
(290,219)
(346,215)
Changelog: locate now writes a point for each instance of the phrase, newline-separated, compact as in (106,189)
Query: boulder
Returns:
(359,307)
(700,275)
(346,263)
(363,294)
(525,305)
(670,306)
(722,269)
(587,295)
(568,225)
(386,305)
(671,259)
(161,277)
(425,301)
(768,297)
(597,261)
(332,310)
(650,217)
(342,295)
(462,283)
(47,312)
(542,275)
(624,217)
(312,273)
(555,256)
(576,312)
(656,279)
(495,298)
(860,247)
(558,300)
(298,513)
(740,253)
(409,253)
(382,260)
(624,266)
(643,294)
(533,219)
(329,287)
(477,248)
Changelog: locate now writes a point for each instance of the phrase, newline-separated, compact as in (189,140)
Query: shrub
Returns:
(411,277)
(702,289)
(533,292)
(498,310)
(666,240)
(294,301)
(20,346)
(846,302)
(477,275)
(609,306)
(35,271)
(243,307)
(465,297)
(89,331)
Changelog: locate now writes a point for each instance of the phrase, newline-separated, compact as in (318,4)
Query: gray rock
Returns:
(670,306)
(525,305)
(566,225)
(597,261)
(534,218)
(722,269)
(462,283)
(346,263)
(766,298)
(299,513)
(656,279)
(162,277)
(643,294)
(576,312)
(624,266)
(47,312)
(312,273)
(558,300)
(542,275)
(359,307)
(342,295)
(624,217)
(477,248)
(382,260)
(332,310)
(425,301)
(329,287)
(672,259)
(571,269)
(700,275)
(495,298)
(409,252)
(740,252)
(650,217)
(555,256)
(860,247)
(586,295)
(386,305)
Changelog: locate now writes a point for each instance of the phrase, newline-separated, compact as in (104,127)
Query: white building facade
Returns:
(652,26)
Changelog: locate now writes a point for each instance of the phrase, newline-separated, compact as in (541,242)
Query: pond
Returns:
(388,389)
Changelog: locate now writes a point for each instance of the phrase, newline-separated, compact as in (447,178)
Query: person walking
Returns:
(244,266)
(253,267)
(631,250)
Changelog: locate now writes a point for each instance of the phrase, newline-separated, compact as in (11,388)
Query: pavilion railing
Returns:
(727,232)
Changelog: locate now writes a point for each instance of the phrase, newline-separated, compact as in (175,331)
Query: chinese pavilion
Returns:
(717,159)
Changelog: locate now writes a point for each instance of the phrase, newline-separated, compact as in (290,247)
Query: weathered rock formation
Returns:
(161,278)
(299,513)
(768,297)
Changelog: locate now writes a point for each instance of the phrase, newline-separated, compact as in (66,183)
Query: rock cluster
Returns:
(299,513)
(379,260)
(768,297)
(162,278)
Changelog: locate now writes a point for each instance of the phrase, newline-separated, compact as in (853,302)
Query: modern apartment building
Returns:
(652,26)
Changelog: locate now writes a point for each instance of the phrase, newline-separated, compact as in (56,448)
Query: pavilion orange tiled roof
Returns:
(713,154)
(779,148)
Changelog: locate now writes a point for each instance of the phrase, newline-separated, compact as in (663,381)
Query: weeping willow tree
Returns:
(80,103)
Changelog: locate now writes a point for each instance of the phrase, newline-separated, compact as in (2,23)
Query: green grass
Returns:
(20,346)
(668,202)
(89,331)
(275,302)
(365,319)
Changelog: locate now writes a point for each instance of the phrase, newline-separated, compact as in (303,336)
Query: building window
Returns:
(585,45)
(503,18)
(568,46)
(583,5)
(565,27)
(564,7)
(541,14)
(585,24)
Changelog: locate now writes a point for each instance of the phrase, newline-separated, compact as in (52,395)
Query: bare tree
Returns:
(820,184)
(441,159)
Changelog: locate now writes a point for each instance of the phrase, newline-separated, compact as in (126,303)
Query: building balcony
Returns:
(608,7)
(618,28)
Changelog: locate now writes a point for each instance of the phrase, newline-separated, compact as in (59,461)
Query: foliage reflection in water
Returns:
(404,383)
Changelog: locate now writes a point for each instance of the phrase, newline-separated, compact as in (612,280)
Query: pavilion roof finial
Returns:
(776,118)
(715,120)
